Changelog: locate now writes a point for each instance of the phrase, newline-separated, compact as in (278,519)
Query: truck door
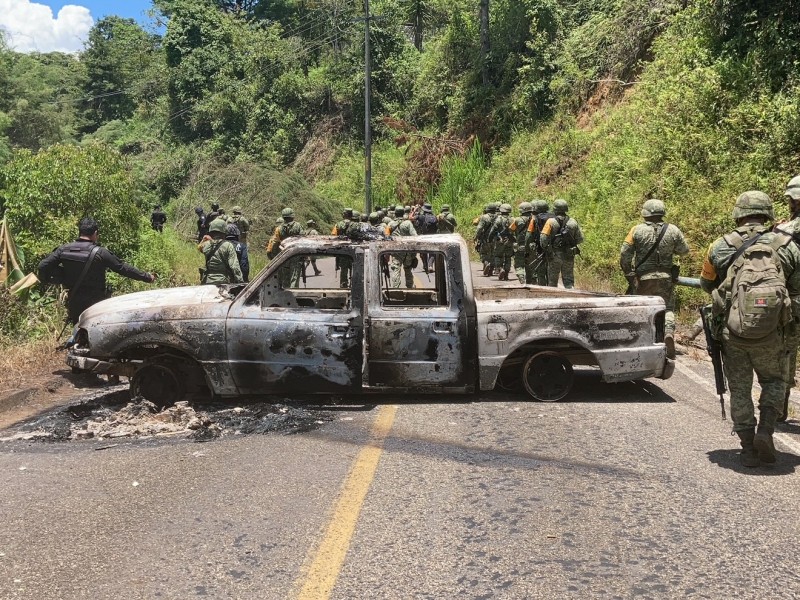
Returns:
(295,332)
(417,338)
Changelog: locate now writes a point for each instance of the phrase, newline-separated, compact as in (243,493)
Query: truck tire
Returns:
(547,376)
(159,383)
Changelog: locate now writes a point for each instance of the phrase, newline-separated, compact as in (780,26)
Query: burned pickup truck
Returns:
(353,334)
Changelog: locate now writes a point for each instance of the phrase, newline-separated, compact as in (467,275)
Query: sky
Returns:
(54,25)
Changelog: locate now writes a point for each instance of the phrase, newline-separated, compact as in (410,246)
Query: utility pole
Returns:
(367,120)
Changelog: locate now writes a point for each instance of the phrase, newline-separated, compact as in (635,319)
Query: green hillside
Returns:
(605,103)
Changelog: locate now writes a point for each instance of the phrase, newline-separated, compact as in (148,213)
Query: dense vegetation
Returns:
(602,102)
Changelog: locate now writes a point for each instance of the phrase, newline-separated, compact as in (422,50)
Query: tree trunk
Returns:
(485,45)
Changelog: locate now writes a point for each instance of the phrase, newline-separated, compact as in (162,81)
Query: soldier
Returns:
(533,240)
(446,221)
(202,226)
(482,243)
(343,228)
(519,229)
(222,263)
(425,224)
(560,238)
(646,260)
(289,276)
(242,224)
(233,236)
(792,195)
(157,218)
(86,285)
(375,221)
(401,262)
(752,249)
(214,214)
(503,239)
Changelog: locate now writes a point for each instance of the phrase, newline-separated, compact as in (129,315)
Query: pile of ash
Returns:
(140,418)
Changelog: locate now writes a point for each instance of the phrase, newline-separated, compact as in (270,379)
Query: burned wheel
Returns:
(158,383)
(547,376)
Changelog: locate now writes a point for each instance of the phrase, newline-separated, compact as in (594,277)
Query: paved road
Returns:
(620,491)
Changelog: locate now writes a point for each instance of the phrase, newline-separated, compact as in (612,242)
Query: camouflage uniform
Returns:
(290,273)
(768,360)
(403,262)
(792,336)
(503,238)
(536,255)
(445,221)
(242,224)
(343,228)
(482,242)
(519,228)
(222,262)
(654,277)
(560,238)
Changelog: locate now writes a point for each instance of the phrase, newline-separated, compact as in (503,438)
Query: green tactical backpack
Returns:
(753,297)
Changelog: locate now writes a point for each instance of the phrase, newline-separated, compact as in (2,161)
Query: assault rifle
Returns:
(714,349)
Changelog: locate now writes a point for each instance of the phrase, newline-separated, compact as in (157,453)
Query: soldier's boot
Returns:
(669,342)
(762,442)
(785,415)
(503,276)
(748,457)
(488,269)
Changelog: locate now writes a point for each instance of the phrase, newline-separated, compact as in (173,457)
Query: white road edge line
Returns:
(686,371)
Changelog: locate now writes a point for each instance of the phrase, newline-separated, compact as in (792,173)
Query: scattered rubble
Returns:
(142,419)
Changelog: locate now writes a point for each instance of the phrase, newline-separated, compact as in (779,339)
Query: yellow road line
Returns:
(330,555)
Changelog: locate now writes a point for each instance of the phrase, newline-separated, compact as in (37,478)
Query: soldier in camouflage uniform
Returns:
(519,228)
(741,358)
(560,238)
(653,276)
(311,230)
(792,340)
(222,262)
(503,239)
(536,255)
(290,273)
(242,224)
(343,228)
(482,244)
(445,221)
(402,262)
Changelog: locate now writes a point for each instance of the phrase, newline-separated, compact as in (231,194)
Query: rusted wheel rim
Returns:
(547,376)
(158,384)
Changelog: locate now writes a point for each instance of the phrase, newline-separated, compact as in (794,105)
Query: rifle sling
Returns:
(92,253)
(653,247)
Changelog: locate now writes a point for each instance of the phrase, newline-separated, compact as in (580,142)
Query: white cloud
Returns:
(30,27)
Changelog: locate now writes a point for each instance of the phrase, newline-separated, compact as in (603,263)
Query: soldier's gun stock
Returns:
(714,349)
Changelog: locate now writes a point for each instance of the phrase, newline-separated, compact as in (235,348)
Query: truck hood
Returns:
(155,302)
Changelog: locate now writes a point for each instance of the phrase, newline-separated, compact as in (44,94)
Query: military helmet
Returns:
(427,208)
(525,208)
(653,208)
(399,210)
(793,188)
(279,221)
(493,206)
(215,206)
(237,210)
(560,206)
(311,222)
(287,212)
(505,209)
(540,206)
(218,226)
(753,203)
(198,210)
(445,208)
(356,215)
(347,213)
(232,231)
(374,218)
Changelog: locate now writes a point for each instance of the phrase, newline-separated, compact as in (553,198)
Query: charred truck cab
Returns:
(291,334)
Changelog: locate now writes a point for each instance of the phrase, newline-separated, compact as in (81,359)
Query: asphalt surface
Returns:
(620,491)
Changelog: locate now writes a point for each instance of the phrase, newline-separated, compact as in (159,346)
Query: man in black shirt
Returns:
(71,259)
